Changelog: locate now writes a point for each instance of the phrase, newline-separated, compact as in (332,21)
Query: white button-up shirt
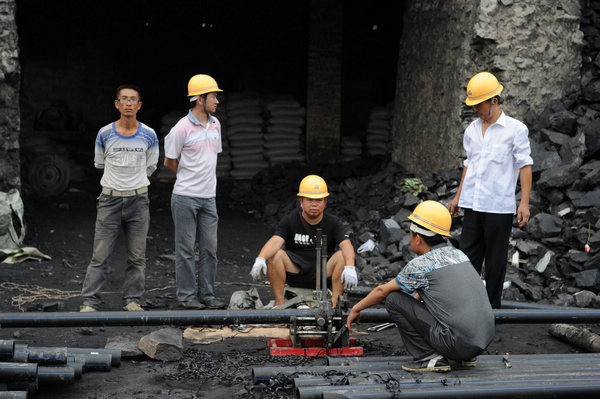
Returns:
(493,163)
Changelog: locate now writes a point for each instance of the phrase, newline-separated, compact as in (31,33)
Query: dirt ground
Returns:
(63,229)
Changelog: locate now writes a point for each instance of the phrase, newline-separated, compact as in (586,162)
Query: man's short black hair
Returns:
(129,86)
(432,241)
(498,97)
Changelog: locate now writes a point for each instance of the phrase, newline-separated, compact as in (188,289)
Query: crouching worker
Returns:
(296,264)
(438,300)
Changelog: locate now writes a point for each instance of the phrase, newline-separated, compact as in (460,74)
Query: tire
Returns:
(49,175)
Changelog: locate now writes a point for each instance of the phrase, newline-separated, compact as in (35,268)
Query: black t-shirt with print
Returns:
(299,244)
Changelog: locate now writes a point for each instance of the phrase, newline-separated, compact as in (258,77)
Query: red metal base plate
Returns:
(313,347)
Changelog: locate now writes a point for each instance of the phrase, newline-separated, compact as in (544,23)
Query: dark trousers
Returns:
(485,237)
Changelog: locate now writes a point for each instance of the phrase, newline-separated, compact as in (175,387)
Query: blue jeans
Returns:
(113,213)
(195,220)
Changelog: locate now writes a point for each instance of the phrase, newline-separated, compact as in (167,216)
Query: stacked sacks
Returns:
(284,135)
(245,134)
(224,158)
(379,130)
(350,148)
(167,122)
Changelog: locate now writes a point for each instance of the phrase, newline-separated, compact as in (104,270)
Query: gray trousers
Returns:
(132,215)
(196,221)
(414,323)
(422,334)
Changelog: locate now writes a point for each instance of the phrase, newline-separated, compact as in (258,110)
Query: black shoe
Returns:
(469,363)
(192,304)
(214,303)
(438,364)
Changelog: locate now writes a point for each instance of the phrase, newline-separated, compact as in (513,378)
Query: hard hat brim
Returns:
(204,92)
(477,100)
(313,196)
(429,227)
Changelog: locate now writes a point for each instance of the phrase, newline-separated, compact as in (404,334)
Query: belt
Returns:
(126,193)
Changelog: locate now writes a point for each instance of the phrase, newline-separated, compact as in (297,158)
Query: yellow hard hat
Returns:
(481,87)
(202,84)
(433,216)
(313,186)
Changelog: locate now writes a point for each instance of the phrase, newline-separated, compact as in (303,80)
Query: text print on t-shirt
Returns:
(303,239)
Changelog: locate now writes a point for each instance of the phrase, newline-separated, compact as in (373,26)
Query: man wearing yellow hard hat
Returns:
(498,154)
(296,263)
(437,300)
(191,149)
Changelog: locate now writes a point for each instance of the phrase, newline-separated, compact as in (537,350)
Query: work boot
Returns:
(214,303)
(87,309)
(133,306)
(192,304)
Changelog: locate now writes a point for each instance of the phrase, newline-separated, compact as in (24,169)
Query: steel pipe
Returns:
(115,353)
(26,386)
(20,354)
(94,362)
(13,395)
(17,372)
(534,305)
(76,365)
(47,356)
(361,292)
(348,360)
(516,316)
(265,373)
(478,378)
(545,357)
(7,349)
(315,391)
(260,316)
(153,318)
(56,375)
(534,390)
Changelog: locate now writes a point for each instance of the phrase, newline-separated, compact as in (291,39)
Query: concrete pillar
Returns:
(10,76)
(324,78)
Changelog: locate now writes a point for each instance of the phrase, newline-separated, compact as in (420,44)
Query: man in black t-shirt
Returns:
(295,264)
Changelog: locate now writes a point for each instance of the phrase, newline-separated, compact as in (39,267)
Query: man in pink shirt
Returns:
(191,149)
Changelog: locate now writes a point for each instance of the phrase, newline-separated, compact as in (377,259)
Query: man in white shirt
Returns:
(498,153)
(127,152)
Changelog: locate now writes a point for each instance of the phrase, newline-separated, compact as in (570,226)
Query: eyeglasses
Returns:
(125,100)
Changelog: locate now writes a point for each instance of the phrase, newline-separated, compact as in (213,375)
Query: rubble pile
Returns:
(547,259)
(555,259)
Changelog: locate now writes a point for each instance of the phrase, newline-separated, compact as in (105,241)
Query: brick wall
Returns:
(324,75)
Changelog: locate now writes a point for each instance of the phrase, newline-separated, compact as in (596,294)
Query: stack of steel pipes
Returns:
(25,369)
(552,375)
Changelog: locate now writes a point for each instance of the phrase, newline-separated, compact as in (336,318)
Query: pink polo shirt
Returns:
(195,147)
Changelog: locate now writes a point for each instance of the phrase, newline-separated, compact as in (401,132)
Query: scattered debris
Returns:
(578,336)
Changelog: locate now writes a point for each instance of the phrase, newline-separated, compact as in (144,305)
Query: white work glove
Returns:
(349,277)
(260,266)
